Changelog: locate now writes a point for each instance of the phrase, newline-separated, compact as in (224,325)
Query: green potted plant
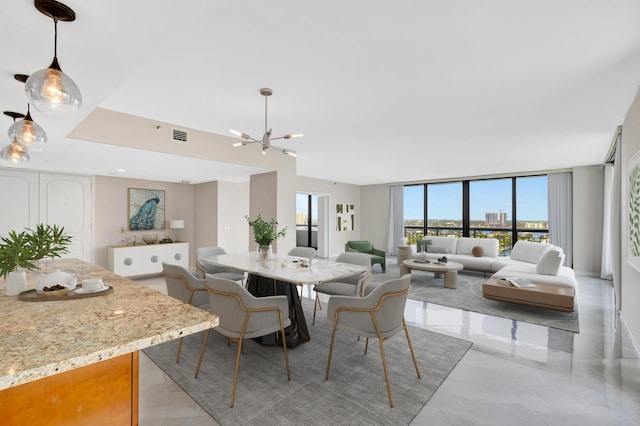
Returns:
(21,251)
(264,233)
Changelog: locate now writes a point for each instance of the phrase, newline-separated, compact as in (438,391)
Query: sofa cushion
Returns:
(477,251)
(565,277)
(449,242)
(466,244)
(550,262)
(437,249)
(527,251)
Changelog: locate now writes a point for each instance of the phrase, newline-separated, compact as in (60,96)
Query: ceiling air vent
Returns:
(179,135)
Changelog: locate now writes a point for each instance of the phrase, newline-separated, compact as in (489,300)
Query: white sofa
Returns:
(460,250)
(537,262)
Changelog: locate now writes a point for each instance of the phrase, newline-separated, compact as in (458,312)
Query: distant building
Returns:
(490,219)
(503,218)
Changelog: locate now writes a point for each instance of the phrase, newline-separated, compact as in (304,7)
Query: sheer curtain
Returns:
(611,227)
(561,213)
(396,213)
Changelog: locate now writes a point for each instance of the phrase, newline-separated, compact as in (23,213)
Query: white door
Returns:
(67,200)
(19,195)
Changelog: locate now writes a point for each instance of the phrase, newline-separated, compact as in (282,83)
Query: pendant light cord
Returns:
(55,37)
(265,113)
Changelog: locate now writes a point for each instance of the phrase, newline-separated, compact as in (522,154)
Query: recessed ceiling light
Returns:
(121,170)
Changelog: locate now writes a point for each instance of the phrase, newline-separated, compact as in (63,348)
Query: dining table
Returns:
(282,275)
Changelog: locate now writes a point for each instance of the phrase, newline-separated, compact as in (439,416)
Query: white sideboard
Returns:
(128,261)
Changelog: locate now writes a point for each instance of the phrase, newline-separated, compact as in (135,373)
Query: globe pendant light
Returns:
(51,92)
(28,133)
(14,153)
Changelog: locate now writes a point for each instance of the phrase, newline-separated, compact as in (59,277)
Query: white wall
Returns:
(233,206)
(338,193)
(375,222)
(630,292)
(588,199)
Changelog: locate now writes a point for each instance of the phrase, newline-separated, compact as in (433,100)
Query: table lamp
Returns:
(176,224)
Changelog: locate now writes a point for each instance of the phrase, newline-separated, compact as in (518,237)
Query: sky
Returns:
(485,196)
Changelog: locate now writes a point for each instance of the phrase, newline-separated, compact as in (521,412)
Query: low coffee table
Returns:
(449,270)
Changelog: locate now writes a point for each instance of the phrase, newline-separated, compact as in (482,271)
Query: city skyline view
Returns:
(488,196)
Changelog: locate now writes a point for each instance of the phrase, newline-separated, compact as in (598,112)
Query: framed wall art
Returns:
(146,209)
(345,217)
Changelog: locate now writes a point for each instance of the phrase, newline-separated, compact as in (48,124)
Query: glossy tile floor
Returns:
(515,373)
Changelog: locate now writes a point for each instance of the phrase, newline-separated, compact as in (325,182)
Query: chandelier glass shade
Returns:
(28,134)
(15,153)
(51,92)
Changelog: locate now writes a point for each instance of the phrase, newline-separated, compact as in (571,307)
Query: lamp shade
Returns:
(177,224)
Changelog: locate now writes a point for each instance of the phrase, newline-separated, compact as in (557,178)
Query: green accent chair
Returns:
(377,256)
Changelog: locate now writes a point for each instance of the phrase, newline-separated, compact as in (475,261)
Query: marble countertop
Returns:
(39,339)
(283,267)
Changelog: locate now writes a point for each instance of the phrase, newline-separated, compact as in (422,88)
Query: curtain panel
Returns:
(560,193)
(396,218)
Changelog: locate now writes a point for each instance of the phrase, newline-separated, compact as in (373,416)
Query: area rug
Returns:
(354,394)
(468,296)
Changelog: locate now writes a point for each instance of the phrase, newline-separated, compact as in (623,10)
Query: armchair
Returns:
(186,287)
(243,316)
(218,271)
(377,256)
(380,315)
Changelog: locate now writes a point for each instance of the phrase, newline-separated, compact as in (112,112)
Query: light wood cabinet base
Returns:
(104,393)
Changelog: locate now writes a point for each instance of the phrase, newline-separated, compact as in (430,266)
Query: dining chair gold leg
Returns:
(204,345)
(386,373)
(333,335)
(284,346)
(406,331)
(315,305)
(235,373)
(179,349)
(366,345)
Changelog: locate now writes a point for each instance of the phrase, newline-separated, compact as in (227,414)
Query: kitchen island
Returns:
(76,361)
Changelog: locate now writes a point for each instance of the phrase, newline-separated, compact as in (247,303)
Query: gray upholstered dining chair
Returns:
(379,315)
(218,271)
(183,285)
(350,286)
(243,316)
(308,252)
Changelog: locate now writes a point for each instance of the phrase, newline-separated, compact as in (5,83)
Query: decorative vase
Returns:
(422,255)
(264,251)
(16,283)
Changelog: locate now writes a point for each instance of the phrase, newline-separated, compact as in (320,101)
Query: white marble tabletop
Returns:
(287,268)
(39,339)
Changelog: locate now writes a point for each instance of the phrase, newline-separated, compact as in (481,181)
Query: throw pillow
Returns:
(477,251)
(437,249)
(549,263)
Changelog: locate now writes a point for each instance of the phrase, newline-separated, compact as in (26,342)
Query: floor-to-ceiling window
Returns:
(444,209)
(307,220)
(507,209)
(491,211)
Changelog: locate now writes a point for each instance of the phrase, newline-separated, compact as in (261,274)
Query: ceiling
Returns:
(383,91)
